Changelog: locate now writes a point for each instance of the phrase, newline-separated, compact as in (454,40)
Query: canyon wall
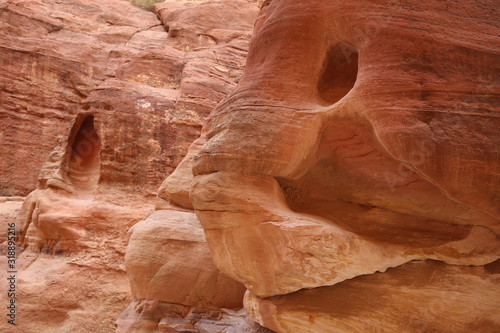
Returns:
(341,178)
(99,102)
(53,56)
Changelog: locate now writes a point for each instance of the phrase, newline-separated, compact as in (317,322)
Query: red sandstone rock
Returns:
(415,297)
(362,136)
(157,316)
(53,55)
(183,278)
(311,153)
(181,270)
(171,274)
(84,292)
(342,152)
(9,208)
(206,24)
(96,90)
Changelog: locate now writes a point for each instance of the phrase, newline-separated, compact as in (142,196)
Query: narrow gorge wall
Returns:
(332,166)
(99,102)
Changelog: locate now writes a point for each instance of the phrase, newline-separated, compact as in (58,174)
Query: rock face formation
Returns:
(362,136)
(348,182)
(54,123)
(110,96)
(53,56)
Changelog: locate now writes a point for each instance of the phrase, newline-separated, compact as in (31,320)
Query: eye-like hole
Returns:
(339,73)
(84,161)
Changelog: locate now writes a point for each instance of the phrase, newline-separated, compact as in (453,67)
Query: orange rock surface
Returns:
(415,297)
(111,101)
(53,55)
(183,289)
(348,178)
(362,136)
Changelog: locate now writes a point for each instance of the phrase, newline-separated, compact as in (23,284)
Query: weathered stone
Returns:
(339,155)
(9,208)
(170,246)
(154,316)
(94,89)
(415,297)
(181,269)
(53,55)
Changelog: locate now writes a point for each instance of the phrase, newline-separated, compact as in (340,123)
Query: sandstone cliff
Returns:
(99,103)
(347,179)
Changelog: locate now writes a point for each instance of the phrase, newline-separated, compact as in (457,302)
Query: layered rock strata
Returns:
(415,297)
(183,291)
(361,137)
(121,99)
(53,55)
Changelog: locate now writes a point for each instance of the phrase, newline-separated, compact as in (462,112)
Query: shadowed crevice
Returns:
(339,74)
(84,161)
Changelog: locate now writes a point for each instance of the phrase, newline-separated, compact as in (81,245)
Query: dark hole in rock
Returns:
(339,74)
(84,161)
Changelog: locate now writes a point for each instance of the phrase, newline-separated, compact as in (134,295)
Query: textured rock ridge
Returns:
(347,178)
(183,289)
(414,297)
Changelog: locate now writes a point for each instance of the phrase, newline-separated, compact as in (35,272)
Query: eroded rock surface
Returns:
(362,136)
(181,270)
(415,297)
(9,208)
(361,142)
(102,93)
(53,55)
(179,288)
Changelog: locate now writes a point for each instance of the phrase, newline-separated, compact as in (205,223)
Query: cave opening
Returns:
(339,74)
(84,162)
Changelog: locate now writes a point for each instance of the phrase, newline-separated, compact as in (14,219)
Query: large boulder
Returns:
(168,260)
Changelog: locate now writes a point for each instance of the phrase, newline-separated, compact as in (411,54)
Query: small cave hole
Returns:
(84,161)
(339,73)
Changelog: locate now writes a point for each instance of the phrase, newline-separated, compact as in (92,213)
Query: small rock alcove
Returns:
(339,74)
(84,161)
